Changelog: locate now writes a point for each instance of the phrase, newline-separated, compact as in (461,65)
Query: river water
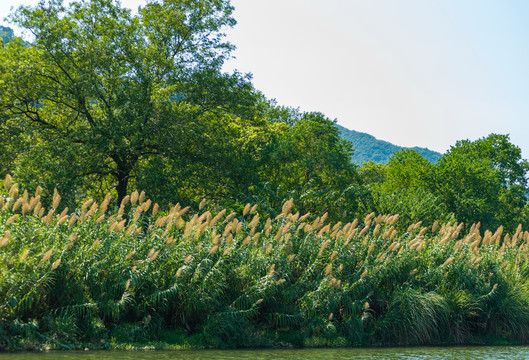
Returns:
(415,353)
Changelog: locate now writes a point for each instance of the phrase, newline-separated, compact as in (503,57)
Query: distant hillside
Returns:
(367,147)
(6,34)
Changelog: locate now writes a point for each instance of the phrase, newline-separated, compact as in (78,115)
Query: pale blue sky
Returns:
(412,72)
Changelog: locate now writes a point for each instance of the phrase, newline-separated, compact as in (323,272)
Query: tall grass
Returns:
(134,274)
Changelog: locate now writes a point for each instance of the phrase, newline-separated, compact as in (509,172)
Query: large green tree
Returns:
(308,161)
(403,186)
(484,180)
(407,169)
(102,91)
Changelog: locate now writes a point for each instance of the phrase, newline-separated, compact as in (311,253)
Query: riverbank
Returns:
(177,340)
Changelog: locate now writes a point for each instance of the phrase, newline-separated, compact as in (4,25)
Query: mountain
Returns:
(367,147)
(6,34)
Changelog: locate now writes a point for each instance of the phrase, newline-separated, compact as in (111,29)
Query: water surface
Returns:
(414,353)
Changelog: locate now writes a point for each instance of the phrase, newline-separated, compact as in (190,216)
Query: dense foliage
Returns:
(481,181)
(99,278)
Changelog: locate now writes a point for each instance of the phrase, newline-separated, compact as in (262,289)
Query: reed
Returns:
(107,272)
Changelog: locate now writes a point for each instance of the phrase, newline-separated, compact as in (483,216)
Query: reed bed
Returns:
(102,275)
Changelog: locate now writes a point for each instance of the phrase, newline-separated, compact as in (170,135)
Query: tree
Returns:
(407,169)
(484,180)
(310,162)
(372,173)
(102,91)
(403,186)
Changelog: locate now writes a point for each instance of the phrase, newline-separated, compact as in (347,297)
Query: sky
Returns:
(412,72)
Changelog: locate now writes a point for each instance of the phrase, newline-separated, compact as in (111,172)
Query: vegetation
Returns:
(481,181)
(99,278)
(104,103)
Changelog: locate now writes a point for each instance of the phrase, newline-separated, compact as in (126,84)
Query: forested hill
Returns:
(6,34)
(367,147)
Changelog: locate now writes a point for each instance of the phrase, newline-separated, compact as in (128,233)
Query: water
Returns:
(414,353)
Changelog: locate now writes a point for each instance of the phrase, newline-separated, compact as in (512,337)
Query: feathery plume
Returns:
(46,256)
(155,209)
(324,246)
(377,229)
(246,209)
(104,205)
(87,203)
(368,218)
(130,229)
(17,204)
(93,209)
(253,209)
(287,206)
(56,264)
(328,269)
(364,230)
(146,205)
(24,255)
(230,216)
(134,198)
(213,250)
(12,219)
(7,182)
(448,261)
(56,199)
(72,220)
(202,204)
(272,270)
(124,202)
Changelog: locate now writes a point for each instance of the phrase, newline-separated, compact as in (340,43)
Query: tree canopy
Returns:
(481,181)
(102,89)
(484,180)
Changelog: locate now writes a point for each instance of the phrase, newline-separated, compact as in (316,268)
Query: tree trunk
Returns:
(121,187)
